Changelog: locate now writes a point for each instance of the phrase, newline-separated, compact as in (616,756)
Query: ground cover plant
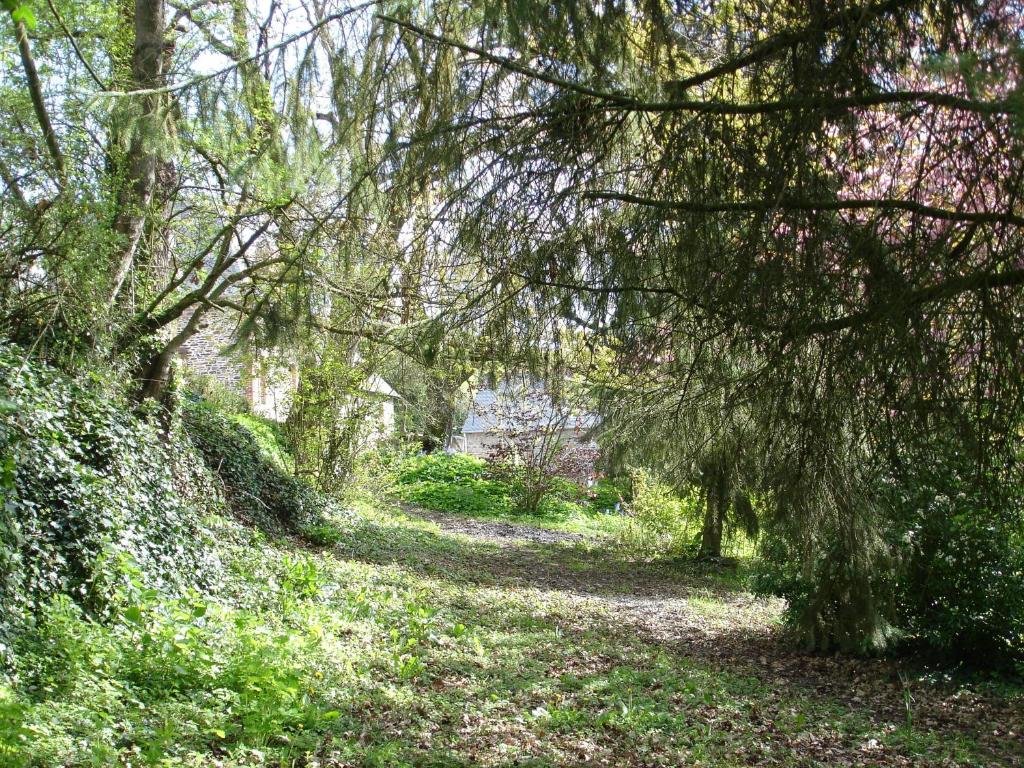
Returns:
(468,485)
(377,636)
(410,642)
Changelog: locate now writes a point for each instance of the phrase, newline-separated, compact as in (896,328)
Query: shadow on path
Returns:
(685,612)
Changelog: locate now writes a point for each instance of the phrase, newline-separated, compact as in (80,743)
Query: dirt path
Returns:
(701,617)
(504,534)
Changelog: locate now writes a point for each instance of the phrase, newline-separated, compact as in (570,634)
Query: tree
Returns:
(540,434)
(829,195)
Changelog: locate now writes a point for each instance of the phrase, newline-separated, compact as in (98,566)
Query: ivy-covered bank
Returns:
(92,493)
(123,573)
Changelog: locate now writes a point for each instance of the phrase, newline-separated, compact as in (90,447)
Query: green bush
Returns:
(269,438)
(258,488)
(834,601)
(453,482)
(442,468)
(661,524)
(86,482)
(606,494)
(960,539)
(937,568)
(470,496)
(468,485)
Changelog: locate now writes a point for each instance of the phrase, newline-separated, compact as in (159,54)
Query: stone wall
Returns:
(266,383)
(206,353)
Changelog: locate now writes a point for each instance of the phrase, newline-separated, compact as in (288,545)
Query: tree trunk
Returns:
(142,162)
(717,506)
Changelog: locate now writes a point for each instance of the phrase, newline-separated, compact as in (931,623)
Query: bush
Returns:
(840,600)
(607,495)
(269,438)
(207,674)
(257,487)
(661,524)
(453,482)
(960,591)
(470,496)
(85,482)
(468,485)
(442,468)
(935,562)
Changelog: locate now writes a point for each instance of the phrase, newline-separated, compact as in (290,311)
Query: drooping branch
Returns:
(791,204)
(905,304)
(632,103)
(197,81)
(779,44)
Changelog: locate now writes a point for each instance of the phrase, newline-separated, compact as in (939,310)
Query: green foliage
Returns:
(442,468)
(940,568)
(471,496)
(661,524)
(324,534)
(837,601)
(208,388)
(21,11)
(471,486)
(208,674)
(86,483)
(269,437)
(608,495)
(453,482)
(249,464)
(333,418)
(960,538)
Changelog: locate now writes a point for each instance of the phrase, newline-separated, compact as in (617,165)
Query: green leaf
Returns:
(21,11)
(133,614)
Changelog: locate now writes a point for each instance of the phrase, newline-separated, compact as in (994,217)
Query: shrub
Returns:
(269,438)
(468,485)
(442,468)
(661,523)
(206,673)
(257,487)
(452,482)
(86,482)
(471,496)
(606,494)
(935,562)
(960,538)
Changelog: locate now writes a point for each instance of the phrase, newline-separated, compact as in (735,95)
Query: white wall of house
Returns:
(482,444)
(270,390)
(380,422)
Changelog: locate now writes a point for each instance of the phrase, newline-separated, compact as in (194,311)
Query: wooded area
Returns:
(773,252)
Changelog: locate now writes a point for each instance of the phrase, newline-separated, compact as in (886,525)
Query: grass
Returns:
(396,642)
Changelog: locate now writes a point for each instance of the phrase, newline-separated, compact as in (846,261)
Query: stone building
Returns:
(265,381)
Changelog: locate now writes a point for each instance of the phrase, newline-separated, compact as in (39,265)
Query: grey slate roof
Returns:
(490,409)
(482,417)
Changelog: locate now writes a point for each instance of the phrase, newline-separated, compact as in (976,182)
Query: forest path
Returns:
(710,619)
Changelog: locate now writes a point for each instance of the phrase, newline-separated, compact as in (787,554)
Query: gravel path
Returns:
(504,534)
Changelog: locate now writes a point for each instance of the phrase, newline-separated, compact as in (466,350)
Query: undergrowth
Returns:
(467,485)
